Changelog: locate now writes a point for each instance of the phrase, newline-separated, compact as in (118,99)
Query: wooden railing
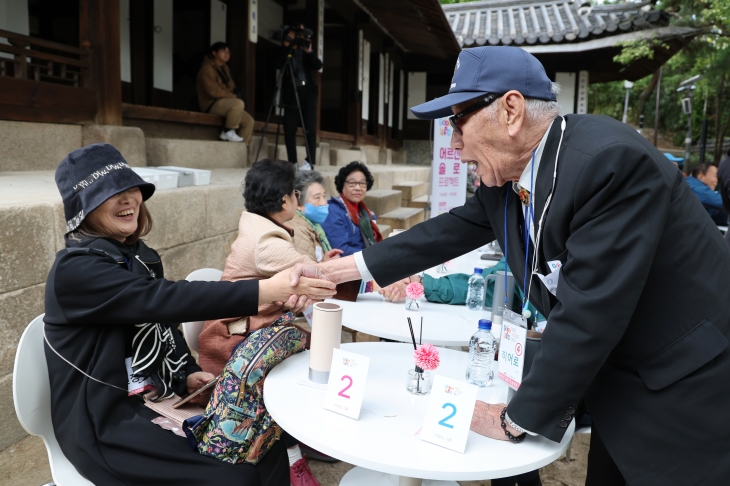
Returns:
(41,60)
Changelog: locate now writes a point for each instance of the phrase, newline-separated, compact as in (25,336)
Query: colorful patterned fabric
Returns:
(236,427)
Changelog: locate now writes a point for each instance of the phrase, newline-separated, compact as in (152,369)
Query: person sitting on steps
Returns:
(217,94)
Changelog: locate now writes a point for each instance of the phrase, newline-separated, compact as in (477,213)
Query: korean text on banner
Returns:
(448,174)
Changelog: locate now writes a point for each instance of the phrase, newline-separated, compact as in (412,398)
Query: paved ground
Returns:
(26,463)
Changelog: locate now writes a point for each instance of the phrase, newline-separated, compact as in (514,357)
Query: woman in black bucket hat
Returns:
(101,290)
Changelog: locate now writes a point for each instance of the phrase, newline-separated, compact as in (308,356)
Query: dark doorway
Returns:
(55,20)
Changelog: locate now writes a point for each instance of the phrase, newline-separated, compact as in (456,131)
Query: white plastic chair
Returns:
(32,400)
(191,330)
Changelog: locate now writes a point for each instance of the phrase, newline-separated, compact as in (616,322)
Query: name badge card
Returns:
(346,386)
(449,412)
(512,354)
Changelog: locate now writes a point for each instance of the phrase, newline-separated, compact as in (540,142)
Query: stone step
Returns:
(419,202)
(381,201)
(385,230)
(411,190)
(402,218)
(342,157)
(26,146)
(197,154)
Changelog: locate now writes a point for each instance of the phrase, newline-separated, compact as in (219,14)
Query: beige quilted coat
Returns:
(261,250)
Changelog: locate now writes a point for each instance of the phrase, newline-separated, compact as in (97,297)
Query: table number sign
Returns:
(346,385)
(512,354)
(449,412)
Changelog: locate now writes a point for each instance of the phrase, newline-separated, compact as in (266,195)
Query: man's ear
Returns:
(513,109)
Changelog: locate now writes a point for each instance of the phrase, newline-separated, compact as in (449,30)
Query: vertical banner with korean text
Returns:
(448,174)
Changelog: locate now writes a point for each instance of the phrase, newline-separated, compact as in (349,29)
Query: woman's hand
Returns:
(332,254)
(195,381)
(279,288)
(296,303)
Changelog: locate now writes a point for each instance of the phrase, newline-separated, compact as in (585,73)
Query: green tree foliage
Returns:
(708,54)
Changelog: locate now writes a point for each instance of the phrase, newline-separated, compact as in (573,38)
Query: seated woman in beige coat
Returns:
(263,248)
(309,237)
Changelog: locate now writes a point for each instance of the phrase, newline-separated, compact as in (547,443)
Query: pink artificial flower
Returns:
(427,357)
(414,290)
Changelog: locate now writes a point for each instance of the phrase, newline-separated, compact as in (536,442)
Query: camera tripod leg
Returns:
(271,111)
(301,116)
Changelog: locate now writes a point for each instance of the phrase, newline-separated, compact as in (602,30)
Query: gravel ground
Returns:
(26,463)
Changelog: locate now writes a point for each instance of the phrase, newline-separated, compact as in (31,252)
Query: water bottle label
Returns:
(512,354)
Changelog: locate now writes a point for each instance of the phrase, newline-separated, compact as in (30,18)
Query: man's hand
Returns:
(395,291)
(195,381)
(309,270)
(486,421)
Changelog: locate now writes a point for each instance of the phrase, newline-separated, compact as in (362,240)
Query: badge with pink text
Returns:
(512,354)
(346,386)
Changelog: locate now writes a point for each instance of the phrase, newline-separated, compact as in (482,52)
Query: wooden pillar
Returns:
(99,31)
(243,53)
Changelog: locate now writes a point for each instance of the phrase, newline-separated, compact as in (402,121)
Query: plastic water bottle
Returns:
(482,347)
(475,292)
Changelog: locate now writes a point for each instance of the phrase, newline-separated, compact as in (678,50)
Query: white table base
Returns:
(359,476)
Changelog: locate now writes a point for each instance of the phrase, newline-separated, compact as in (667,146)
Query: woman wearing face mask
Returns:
(312,210)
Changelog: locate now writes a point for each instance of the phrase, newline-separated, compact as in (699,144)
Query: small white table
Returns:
(443,324)
(384,442)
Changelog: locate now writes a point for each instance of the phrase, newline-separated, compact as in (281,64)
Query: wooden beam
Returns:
(99,19)
(141,112)
(25,100)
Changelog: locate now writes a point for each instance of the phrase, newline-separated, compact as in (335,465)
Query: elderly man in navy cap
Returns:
(637,326)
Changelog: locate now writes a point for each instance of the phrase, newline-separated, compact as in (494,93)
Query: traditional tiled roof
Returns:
(519,22)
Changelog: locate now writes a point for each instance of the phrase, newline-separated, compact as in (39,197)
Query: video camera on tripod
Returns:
(302,36)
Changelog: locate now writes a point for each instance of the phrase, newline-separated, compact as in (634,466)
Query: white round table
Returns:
(384,441)
(443,324)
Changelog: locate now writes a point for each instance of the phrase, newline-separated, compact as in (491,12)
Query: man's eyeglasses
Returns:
(352,184)
(297,194)
(484,102)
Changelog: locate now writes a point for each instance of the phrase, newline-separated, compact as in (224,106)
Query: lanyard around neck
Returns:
(529,219)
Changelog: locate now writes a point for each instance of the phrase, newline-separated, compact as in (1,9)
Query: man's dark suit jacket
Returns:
(639,328)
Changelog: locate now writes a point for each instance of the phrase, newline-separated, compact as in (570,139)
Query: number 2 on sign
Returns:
(453,412)
(342,392)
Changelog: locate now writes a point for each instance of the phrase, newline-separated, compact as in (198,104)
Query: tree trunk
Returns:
(646,93)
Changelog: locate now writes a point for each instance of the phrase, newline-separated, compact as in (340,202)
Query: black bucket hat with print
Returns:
(89,176)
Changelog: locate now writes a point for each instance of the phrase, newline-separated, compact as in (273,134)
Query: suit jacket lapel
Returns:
(544,181)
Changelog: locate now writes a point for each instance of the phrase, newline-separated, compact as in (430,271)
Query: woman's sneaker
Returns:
(230,136)
(300,474)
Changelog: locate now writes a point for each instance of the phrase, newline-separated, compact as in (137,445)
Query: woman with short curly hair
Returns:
(350,225)
(263,248)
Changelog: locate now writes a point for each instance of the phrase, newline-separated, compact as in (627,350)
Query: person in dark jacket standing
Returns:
(297,49)
(111,333)
(637,325)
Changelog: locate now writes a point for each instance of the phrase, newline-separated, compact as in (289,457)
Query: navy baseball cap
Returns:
(490,69)
(89,176)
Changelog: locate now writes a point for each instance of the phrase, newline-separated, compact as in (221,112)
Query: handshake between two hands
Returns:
(298,287)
